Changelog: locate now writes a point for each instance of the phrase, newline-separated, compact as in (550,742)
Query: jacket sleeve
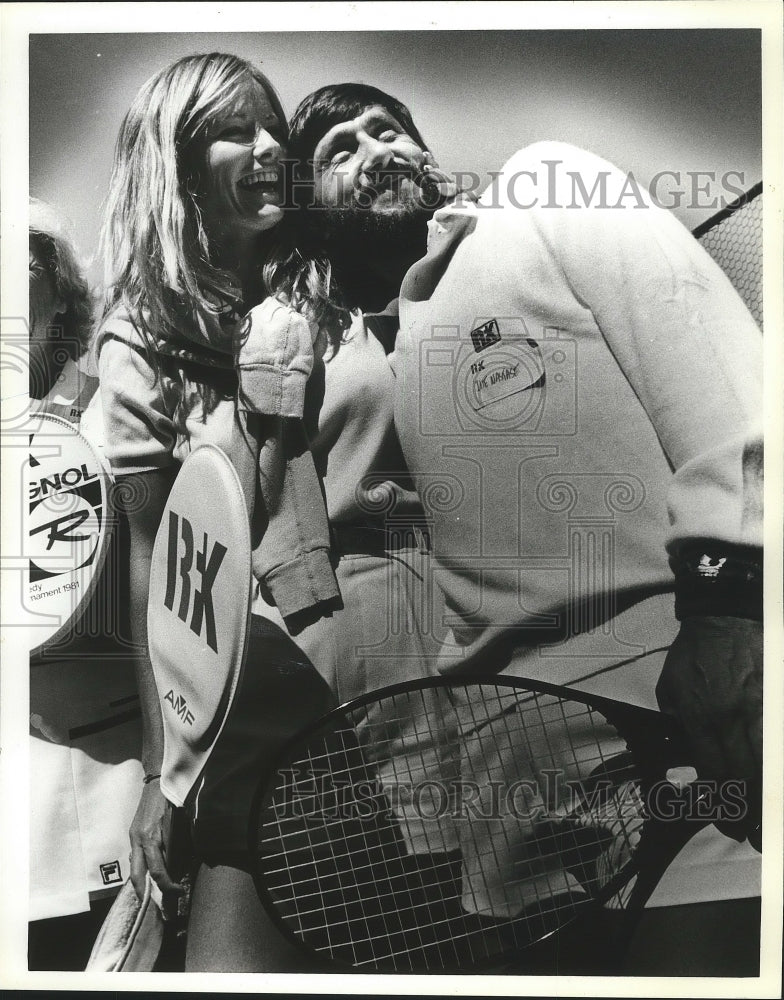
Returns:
(275,359)
(685,341)
(139,432)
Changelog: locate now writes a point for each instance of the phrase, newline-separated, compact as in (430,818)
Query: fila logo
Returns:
(178,570)
(110,872)
(180,706)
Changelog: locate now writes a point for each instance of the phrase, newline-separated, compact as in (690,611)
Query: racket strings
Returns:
(333,912)
(531,817)
(325,762)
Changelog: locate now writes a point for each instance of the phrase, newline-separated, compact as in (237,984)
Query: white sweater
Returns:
(576,387)
(578,383)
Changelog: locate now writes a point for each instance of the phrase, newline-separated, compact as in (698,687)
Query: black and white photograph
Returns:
(392,449)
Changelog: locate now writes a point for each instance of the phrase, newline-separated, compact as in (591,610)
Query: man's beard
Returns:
(357,235)
(369,251)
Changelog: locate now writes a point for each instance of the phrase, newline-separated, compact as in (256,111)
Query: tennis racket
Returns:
(447,825)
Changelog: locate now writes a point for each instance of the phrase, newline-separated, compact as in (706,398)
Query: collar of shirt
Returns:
(385,324)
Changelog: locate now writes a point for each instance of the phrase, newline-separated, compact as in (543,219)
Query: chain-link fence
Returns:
(733,237)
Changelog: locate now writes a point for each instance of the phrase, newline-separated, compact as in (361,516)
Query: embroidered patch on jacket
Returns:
(486,335)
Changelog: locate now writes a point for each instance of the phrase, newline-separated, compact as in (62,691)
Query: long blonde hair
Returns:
(157,262)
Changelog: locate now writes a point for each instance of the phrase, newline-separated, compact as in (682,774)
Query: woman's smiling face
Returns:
(243,163)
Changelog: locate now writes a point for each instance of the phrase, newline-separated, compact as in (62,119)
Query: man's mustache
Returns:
(374,183)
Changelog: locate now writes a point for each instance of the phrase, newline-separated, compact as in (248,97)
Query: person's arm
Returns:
(275,358)
(692,353)
(712,677)
(150,827)
(711,683)
(140,438)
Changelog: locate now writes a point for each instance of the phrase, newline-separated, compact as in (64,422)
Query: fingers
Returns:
(749,825)
(712,684)
(156,865)
(149,835)
(438,181)
(755,740)
(665,697)
(148,856)
(742,760)
(138,870)
(753,695)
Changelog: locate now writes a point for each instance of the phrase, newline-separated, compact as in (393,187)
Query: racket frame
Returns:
(660,840)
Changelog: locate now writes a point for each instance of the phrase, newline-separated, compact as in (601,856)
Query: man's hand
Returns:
(712,684)
(149,836)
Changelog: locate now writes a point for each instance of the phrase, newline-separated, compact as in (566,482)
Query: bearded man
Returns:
(579,402)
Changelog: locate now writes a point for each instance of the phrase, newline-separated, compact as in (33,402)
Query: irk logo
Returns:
(179,569)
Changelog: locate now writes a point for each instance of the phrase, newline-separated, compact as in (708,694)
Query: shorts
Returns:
(279,693)
(385,634)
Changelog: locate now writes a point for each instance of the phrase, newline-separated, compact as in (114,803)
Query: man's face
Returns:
(368,163)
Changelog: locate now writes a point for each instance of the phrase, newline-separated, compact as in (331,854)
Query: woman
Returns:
(62,378)
(84,749)
(195,202)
